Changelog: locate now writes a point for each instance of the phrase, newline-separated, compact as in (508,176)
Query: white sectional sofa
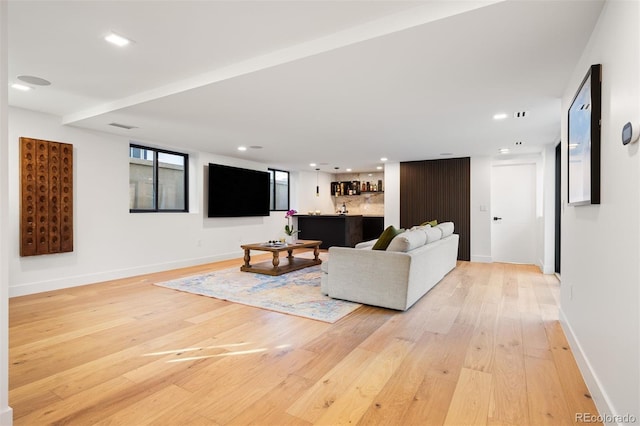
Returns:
(413,263)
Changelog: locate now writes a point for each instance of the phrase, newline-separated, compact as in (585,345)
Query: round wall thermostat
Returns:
(630,134)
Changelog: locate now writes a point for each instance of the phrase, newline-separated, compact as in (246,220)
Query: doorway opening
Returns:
(513,211)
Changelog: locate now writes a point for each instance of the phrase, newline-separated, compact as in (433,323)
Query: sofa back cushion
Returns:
(431,223)
(408,240)
(386,237)
(433,234)
(446,228)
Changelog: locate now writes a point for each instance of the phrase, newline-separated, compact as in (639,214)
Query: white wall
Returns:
(6,416)
(306,192)
(481,209)
(546,246)
(392,194)
(110,242)
(600,297)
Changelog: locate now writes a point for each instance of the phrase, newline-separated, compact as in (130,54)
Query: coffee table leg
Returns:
(247,258)
(290,255)
(316,252)
(276,259)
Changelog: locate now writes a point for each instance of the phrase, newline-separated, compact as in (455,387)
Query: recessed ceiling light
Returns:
(348,170)
(500,116)
(504,150)
(21,87)
(255,147)
(312,164)
(379,168)
(118,40)
(446,154)
(384,159)
(242,148)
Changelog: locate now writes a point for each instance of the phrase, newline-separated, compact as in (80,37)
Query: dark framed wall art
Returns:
(583,148)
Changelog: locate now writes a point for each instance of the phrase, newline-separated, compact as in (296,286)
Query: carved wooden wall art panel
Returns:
(46,197)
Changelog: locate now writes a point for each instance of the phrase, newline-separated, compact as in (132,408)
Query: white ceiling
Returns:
(339,83)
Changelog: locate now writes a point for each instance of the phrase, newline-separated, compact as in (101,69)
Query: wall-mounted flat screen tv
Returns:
(237,192)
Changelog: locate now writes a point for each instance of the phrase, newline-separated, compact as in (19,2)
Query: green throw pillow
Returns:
(386,237)
(430,222)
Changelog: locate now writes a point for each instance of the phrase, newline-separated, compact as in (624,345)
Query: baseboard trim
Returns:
(481,259)
(599,396)
(79,280)
(6,416)
(545,268)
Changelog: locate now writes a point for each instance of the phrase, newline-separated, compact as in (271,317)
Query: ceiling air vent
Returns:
(520,114)
(122,126)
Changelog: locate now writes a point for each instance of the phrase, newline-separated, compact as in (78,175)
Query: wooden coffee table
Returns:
(273,267)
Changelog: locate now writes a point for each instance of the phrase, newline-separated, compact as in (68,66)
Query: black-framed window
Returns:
(279,187)
(158,180)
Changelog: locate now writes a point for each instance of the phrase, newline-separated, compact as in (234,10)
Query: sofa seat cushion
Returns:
(408,240)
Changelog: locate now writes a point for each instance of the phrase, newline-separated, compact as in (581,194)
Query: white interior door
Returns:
(513,213)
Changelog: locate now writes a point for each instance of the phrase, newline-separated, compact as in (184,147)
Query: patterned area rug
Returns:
(296,293)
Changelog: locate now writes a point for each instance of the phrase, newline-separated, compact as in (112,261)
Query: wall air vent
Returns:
(122,126)
(520,114)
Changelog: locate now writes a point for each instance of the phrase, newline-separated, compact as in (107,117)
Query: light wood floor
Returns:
(483,347)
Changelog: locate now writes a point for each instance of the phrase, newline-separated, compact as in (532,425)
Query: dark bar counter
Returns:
(336,229)
(331,229)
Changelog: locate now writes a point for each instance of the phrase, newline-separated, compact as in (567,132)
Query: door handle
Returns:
(496,218)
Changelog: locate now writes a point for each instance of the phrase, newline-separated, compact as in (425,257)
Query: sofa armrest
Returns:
(372,277)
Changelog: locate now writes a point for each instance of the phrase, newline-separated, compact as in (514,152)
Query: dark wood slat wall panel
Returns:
(27,197)
(46,211)
(441,190)
(54,198)
(66,192)
(42,197)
